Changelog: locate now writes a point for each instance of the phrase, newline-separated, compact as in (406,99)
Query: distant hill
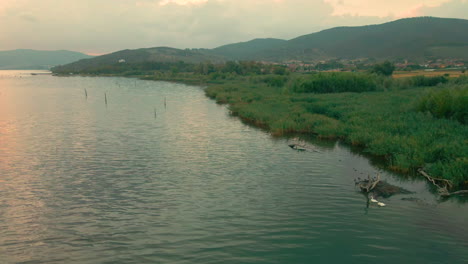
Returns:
(411,38)
(159,54)
(26,59)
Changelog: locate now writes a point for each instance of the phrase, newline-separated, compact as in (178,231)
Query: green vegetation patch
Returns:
(450,103)
(409,127)
(336,83)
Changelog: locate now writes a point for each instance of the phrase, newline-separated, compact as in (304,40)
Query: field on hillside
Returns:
(451,73)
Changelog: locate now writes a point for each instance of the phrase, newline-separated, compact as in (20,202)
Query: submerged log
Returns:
(385,190)
(297,147)
(302,147)
(463,192)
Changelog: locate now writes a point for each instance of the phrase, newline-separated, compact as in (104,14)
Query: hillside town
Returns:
(365,63)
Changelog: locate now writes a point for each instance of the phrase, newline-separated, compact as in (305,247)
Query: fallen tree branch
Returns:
(446,183)
(443,185)
(373,184)
(369,184)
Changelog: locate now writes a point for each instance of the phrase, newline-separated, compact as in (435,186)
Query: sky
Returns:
(102,26)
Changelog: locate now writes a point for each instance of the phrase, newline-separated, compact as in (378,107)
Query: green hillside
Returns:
(246,50)
(37,59)
(414,38)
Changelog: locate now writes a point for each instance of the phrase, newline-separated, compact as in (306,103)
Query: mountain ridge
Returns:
(29,59)
(417,39)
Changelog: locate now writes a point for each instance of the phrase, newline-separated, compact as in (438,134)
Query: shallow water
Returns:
(143,181)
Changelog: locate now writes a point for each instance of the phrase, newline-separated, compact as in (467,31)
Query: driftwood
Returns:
(443,185)
(368,184)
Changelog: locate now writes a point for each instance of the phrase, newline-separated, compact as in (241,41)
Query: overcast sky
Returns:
(102,26)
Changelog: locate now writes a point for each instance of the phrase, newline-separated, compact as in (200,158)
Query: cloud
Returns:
(29,17)
(454,9)
(382,8)
(110,25)
(106,25)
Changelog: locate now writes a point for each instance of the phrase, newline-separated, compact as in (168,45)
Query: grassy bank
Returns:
(411,123)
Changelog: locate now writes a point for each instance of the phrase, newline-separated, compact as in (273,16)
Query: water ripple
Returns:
(85,183)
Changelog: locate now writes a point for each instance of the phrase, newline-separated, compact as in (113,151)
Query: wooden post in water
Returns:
(86,94)
(165,103)
(105,98)
(155,114)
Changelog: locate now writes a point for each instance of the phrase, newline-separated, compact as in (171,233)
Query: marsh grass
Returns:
(404,125)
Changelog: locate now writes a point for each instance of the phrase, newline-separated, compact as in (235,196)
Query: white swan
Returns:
(373,200)
(380,204)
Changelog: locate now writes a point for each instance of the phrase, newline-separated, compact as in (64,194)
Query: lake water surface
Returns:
(162,174)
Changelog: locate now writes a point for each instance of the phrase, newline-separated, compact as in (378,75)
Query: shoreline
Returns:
(235,94)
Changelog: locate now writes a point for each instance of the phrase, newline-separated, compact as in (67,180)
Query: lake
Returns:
(162,174)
